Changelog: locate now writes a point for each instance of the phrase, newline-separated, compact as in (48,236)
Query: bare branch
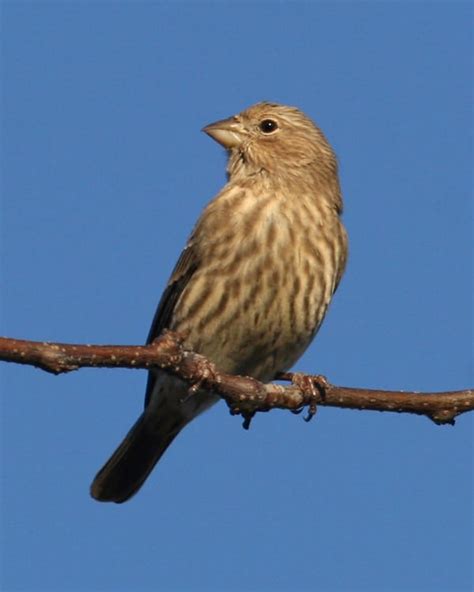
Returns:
(244,395)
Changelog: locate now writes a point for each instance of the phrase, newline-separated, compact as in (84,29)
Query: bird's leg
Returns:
(313,387)
(203,371)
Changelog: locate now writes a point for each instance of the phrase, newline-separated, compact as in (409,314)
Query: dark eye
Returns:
(268,126)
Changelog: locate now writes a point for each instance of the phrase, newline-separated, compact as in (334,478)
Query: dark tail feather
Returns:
(129,466)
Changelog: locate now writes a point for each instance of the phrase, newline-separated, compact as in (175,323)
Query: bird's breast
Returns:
(263,285)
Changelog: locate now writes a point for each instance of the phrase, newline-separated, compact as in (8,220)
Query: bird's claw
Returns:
(248,416)
(312,409)
(204,370)
(313,387)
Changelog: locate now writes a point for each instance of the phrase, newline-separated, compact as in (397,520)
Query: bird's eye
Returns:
(268,126)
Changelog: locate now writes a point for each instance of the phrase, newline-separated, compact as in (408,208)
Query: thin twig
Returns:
(244,395)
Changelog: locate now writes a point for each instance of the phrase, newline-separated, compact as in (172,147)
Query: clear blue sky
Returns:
(104,171)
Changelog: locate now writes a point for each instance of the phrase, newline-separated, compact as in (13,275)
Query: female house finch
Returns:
(253,283)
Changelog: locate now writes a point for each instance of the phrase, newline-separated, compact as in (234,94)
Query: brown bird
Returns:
(254,281)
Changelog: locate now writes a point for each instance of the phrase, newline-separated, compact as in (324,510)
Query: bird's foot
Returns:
(203,371)
(313,387)
(247,415)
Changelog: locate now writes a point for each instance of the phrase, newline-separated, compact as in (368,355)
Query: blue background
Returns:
(104,171)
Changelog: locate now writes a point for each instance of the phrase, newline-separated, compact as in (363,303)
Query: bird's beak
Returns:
(228,132)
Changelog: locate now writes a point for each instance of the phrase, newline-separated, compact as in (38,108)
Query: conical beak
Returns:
(228,132)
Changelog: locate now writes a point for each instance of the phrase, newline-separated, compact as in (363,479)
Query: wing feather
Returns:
(182,273)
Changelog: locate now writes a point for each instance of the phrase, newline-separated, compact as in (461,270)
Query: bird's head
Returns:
(273,138)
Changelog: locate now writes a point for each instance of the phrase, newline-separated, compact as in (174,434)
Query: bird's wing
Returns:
(343,257)
(182,273)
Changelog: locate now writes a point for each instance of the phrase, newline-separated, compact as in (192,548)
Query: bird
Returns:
(253,283)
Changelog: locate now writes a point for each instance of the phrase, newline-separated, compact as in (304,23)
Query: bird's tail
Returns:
(129,466)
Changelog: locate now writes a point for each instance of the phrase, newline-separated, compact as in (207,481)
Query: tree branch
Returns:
(243,395)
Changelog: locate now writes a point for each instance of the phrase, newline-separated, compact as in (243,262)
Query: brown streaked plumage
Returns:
(252,286)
